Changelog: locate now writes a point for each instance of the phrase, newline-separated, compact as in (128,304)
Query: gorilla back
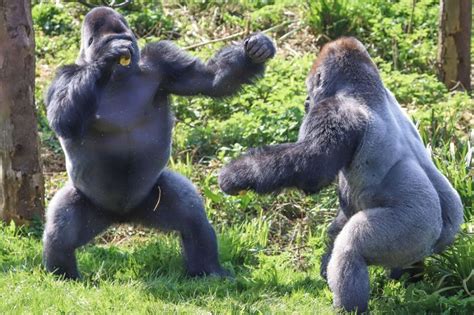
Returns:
(395,207)
(111,113)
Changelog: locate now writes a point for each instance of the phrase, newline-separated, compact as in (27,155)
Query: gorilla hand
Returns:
(236,177)
(259,48)
(111,54)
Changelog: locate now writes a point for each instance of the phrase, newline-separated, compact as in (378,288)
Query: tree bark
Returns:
(21,179)
(454,43)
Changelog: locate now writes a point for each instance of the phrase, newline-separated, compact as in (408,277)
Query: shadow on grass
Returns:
(156,264)
(159,266)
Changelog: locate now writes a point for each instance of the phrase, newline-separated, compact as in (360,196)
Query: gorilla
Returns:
(112,116)
(395,207)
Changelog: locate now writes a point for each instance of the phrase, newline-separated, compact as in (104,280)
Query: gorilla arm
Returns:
(71,99)
(222,75)
(329,137)
(292,165)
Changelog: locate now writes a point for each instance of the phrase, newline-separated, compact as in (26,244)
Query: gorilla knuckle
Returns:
(228,181)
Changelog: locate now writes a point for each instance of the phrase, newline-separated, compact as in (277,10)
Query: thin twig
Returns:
(85,3)
(106,3)
(159,199)
(215,40)
(290,33)
(271,29)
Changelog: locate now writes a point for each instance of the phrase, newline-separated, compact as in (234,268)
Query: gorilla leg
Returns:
(71,221)
(334,228)
(176,205)
(381,236)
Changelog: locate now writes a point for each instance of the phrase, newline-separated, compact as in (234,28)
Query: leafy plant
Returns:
(332,18)
(453,270)
(51,19)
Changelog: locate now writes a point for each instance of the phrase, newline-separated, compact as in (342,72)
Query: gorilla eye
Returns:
(90,41)
(307,103)
(318,79)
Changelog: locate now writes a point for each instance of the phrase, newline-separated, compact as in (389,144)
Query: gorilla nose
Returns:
(124,37)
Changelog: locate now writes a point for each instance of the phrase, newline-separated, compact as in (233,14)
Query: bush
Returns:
(333,18)
(399,33)
(51,19)
(453,270)
(413,88)
(267,112)
(146,18)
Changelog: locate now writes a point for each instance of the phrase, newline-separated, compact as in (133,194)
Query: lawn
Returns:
(271,244)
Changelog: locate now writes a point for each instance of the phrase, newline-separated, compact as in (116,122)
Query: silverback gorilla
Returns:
(395,207)
(111,113)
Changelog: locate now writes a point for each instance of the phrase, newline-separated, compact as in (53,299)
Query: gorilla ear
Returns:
(313,81)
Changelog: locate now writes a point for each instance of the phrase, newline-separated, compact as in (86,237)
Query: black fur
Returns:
(222,75)
(114,123)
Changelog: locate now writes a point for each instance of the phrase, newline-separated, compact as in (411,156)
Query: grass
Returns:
(143,274)
(271,244)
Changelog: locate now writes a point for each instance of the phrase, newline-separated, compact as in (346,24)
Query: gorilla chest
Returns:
(126,105)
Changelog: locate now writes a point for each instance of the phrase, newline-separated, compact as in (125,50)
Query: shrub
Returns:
(399,33)
(51,19)
(267,112)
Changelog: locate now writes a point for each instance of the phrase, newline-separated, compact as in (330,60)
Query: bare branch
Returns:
(268,30)
(215,40)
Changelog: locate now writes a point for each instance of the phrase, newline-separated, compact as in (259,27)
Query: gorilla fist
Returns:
(259,48)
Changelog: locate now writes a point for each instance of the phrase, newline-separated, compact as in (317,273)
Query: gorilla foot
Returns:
(414,272)
(61,263)
(218,272)
(65,274)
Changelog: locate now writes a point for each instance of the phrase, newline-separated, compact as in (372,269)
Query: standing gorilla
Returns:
(112,115)
(395,207)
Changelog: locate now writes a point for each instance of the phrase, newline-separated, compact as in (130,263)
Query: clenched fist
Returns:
(259,47)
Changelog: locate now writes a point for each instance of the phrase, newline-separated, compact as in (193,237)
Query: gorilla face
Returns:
(343,64)
(104,29)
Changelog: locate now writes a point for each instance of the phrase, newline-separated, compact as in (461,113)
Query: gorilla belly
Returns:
(117,172)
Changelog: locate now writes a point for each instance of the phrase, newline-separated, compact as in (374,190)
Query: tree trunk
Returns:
(21,180)
(454,43)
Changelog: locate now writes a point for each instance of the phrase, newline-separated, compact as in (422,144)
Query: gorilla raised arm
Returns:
(112,115)
(328,138)
(106,37)
(222,75)
(395,207)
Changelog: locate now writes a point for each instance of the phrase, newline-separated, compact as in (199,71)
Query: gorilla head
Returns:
(104,29)
(343,64)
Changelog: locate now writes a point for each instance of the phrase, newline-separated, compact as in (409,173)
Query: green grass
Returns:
(271,244)
(144,274)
